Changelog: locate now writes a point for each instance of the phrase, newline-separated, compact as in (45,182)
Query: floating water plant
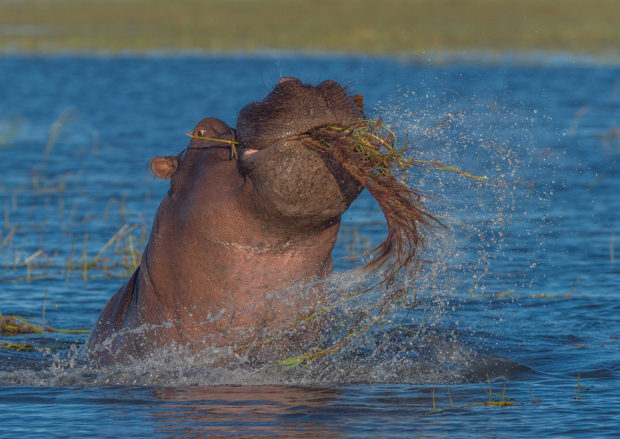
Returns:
(12,325)
(20,346)
(368,151)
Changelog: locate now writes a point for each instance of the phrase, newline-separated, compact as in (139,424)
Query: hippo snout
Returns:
(293,108)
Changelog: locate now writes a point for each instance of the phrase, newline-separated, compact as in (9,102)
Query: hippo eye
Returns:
(200,132)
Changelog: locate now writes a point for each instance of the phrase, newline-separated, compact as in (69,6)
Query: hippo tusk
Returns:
(248,152)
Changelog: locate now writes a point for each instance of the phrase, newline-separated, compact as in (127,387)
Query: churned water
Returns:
(514,327)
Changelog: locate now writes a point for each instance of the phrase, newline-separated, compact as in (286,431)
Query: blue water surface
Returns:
(523,303)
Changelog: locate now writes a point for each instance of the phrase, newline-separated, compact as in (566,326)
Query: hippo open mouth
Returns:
(293,108)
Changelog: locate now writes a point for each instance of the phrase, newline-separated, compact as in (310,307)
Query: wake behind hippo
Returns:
(233,230)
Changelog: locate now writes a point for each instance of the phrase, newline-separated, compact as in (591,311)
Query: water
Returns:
(523,295)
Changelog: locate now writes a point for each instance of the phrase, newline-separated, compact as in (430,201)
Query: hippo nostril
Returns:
(211,127)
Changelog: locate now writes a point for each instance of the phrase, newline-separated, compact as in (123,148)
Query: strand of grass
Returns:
(105,274)
(579,387)
(30,259)
(44,305)
(7,220)
(85,259)
(27,279)
(316,352)
(312,316)
(354,331)
(232,142)
(493,394)
(401,327)
(439,125)
(12,324)
(229,142)
(502,402)
(394,301)
(7,238)
(5,344)
(70,261)
(472,404)
(132,252)
(65,331)
(117,236)
(22,346)
(438,166)
(55,131)
(534,400)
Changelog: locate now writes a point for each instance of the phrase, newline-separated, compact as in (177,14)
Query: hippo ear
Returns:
(164,167)
(358,100)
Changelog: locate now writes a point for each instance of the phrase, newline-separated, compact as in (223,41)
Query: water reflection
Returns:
(256,410)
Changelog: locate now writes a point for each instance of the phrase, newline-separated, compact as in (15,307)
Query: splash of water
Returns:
(415,340)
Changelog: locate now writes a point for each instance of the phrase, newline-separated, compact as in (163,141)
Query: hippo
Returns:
(250,211)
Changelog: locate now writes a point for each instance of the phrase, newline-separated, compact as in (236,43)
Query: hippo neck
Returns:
(240,271)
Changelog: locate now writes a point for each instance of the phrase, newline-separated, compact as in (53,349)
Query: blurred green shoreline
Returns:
(389,27)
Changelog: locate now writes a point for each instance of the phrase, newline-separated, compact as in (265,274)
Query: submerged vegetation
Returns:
(12,325)
(366,26)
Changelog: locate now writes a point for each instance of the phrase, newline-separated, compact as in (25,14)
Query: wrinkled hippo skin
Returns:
(231,231)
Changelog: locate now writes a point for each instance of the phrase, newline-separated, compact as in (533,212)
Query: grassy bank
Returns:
(389,26)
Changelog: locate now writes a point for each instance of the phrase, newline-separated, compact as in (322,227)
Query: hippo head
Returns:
(290,178)
(250,212)
(284,180)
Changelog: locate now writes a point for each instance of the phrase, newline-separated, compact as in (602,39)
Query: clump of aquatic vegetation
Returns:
(494,400)
(122,260)
(13,325)
(55,202)
(369,151)
(118,257)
